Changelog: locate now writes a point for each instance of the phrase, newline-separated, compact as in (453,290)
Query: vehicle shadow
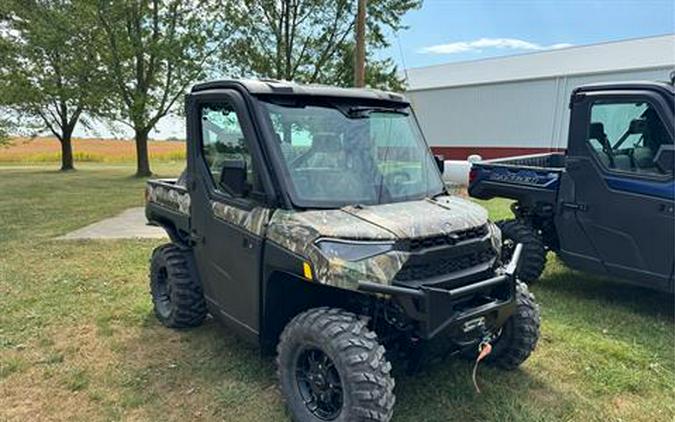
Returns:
(444,391)
(205,373)
(229,379)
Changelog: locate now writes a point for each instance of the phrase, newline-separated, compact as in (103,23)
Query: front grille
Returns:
(420,243)
(421,268)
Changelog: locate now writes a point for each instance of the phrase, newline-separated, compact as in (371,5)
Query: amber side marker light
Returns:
(307,270)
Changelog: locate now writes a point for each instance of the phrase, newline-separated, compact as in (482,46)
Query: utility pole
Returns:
(360,53)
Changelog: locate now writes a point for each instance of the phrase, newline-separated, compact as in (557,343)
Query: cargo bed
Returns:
(529,178)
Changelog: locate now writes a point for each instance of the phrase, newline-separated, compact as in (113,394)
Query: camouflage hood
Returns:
(298,232)
(401,220)
(427,217)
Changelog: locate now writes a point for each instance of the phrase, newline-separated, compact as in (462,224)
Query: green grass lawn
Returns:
(78,340)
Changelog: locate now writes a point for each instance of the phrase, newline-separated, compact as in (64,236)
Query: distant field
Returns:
(45,150)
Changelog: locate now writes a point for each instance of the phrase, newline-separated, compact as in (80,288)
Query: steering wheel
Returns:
(394,181)
(299,160)
(397,178)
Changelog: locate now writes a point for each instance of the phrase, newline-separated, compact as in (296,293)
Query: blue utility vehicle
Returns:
(607,204)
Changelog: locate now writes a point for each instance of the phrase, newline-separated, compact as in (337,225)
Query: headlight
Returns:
(352,250)
(496,237)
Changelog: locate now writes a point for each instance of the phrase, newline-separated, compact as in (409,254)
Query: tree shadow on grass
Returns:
(604,291)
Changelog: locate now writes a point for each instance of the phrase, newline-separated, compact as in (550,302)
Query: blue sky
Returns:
(444,31)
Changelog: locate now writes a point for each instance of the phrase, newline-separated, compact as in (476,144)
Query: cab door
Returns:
(623,202)
(227,249)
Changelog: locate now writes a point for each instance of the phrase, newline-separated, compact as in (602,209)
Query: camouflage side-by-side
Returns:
(172,196)
(299,231)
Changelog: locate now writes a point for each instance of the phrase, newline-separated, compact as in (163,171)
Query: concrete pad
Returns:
(130,224)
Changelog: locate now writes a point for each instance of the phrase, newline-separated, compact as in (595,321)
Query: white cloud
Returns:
(487,43)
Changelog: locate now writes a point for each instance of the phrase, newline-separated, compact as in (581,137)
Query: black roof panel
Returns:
(627,86)
(274,87)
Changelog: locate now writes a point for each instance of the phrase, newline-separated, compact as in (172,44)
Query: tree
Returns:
(47,66)
(312,41)
(4,131)
(153,50)
(7,126)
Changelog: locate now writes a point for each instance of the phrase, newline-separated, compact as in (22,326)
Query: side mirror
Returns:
(665,159)
(440,162)
(233,177)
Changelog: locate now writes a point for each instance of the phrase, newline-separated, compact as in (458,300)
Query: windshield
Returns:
(346,154)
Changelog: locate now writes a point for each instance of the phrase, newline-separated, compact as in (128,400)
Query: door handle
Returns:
(247,243)
(667,208)
(575,206)
(196,238)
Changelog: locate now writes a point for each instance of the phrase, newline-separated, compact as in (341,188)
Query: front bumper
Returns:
(465,313)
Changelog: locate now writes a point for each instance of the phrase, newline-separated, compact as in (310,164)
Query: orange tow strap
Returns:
(484,349)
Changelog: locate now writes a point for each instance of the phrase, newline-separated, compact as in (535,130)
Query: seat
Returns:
(596,132)
(326,151)
(623,162)
(604,158)
(643,157)
(287,149)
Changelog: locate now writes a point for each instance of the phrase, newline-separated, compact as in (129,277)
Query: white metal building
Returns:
(519,104)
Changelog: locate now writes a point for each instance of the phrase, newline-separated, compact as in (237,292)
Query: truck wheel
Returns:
(331,367)
(519,336)
(533,257)
(176,293)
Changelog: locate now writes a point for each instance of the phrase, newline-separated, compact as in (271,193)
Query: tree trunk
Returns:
(142,161)
(66,153)
(360,53)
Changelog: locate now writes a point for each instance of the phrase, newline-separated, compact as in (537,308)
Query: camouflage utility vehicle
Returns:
(314,220)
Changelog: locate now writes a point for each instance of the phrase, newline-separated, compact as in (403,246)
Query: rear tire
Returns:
(519,336)
(533,257)
(177,295)
(356,362)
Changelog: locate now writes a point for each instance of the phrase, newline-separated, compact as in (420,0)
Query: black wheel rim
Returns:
(319,383)
(162,292)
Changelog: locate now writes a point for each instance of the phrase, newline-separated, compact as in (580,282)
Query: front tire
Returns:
(533,258)
(331,367)
(519,336)
(177,295)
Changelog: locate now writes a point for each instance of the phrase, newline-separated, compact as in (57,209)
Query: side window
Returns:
(223,140)
(627,135)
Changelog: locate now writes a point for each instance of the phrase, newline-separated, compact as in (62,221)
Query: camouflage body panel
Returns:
(169,195)
(298,232)
(253,221)
(423,218)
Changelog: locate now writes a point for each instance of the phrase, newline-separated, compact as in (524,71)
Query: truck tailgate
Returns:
(535,177)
